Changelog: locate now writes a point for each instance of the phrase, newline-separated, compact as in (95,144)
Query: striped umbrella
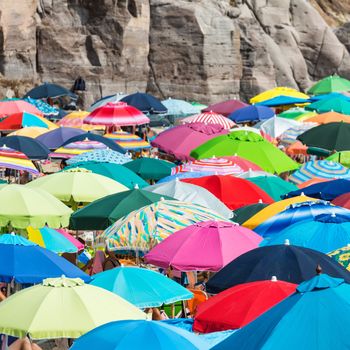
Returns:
(100,155)
(210,118)
(290,135)
(12,159)
(76,120)
(76,148)
(128,141)
(321,169)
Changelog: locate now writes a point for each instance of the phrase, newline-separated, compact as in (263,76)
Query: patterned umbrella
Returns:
(43,107)
(76,148)
(342,256)
(128,141)
(24,119)
(142,229)
(32,131)
(290,135)
(100,155)
(11,159)
(210,118)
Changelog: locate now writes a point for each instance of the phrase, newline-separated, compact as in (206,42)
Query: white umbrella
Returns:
(254,173)
(276,126)
(101,102)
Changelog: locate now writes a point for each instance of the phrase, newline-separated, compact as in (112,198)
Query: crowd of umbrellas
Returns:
(228,229)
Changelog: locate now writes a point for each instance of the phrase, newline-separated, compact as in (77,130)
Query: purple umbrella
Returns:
(225,107)
(57,137)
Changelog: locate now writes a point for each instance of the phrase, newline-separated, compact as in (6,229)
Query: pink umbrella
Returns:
(210,118)
(180,140)
(70,238)
(226,107)
(208,245)
(17,106)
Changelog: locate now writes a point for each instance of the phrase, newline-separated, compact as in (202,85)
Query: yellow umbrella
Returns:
(32,131)
(76,120)
(277,91)
(274,209)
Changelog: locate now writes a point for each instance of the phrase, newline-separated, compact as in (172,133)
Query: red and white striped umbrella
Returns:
(210,118)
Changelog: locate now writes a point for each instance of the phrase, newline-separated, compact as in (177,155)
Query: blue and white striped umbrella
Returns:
(290,135)
(100,155)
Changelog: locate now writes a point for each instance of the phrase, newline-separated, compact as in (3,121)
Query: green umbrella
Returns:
(330,84)
(274,186)
(150,168)
(297,114)
(334,104)
(62,308)
(114,171)
(331,136)
(243,214)
(341,157)
(102,213)
(250,146)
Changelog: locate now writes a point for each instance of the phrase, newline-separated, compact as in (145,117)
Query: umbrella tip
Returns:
(162,198)
(286,242)
(348,245)
(318,269)
(13,234)
(302,194)
(63,276)
(260,201)
(273,279)
(333,215)
(136,187)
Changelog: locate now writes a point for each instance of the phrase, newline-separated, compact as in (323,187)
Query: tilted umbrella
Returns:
(276,126)
(56,138)
(17,106)
(251,114)
(48,90)
(24,119)
(225,107)
(332,83)
(106,99)
(278,91)
(146,103)
(282,100)
(334,104)
(342,157)
(243,214)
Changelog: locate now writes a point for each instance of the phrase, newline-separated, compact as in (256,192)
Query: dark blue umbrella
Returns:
(281,101)
(145,103)
(286,262)
(57,137)
(32,148)
(49,90)
(94,137)
(251,114)
(23,261)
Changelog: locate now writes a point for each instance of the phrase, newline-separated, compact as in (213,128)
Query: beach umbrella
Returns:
(180,140)
(144,228)
(342,200)
(295,113)
(124,335)
(295,213)
(334,104)
(128,141)
(56,138)
(77,148)
(226,107)
(247,128)
(342,256)
(243,214)
(332,83)
(102,213)
(328,96)
(100,156)
(32,132)
(247,145)
(23,261)
(314,317)
(62,308)
(314,180)
(179,107)
(43,107)
(282,100)
(22,206)
(208,245)
(150,168)
(24,119)
(106,99)
(342,157)
(254,173)
(48,90)
(329,117)
(239,305)
(225,189)
(187,175)
(251,114)
(290,136)
(274,186)
(278,91)
(76,120)
(114,171)
(146,103)
(185,192)
(210,118)
(276,126)
(320,168)
(17,106)
(287,262)
(141,287)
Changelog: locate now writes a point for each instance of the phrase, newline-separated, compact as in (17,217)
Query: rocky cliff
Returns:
(205,50)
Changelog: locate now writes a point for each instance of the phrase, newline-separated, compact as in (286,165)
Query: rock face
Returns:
(205,50)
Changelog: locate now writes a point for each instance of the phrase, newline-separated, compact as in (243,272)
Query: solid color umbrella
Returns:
(340,157)
(208,245)
(56,138)
(146,335)
(146,103)
(17,106)
(237,306)
(224,187)
(210,118)
(226,107)
(43,107)
(62,308)
(100,156)
(276,126)
(334,104)
(282,100)
(313,181)
(102,213)
(278,91)
(48,90)
(287,262)
(106,99)
(243,214)
(187,175)
(76,120)
(141,287)
(315,317)
(251,114)
(23,261)
(32,132)
(295,113)
(179,107)
(328,96)
(343,200)
(342,256)
(332,83)
(254,173)
(24,119)
(247,145)
(12,159)
(149,225)
(128,141)
(329,117)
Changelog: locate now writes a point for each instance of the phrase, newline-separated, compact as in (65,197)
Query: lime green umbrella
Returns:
(341,157)
(21,206)
(334,104)
(62,308)
(330,84)
(250,146)
(297,114)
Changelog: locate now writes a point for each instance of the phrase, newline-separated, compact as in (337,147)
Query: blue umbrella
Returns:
(251,114)
(141,287)
(23,261)
(287,262)
(44,107)
(145,103)
(102,101)
(100,156)
(295,213)
(139,334)
(48,90)
(328,96)
(179,107)
(315,317)
(281,101)
(186,175)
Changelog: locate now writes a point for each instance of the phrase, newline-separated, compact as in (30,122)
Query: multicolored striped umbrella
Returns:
(290,135)
(24,119)
(320,168)
(76,148)
(128,141)
(142,229)
(210,118)
(12,159)
(100,155)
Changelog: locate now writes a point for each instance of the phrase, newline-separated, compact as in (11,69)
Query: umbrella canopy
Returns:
(141,287)
(237,306)
(282,101)
(342,256)
(251,114)
(208,245)
(329,117)
(179,107)
(146,103)
(106,99)
(254,173)
(225,189)
(32,132)
(43,107)
(278,91)
(288,263)
(100,156)
(312,318)
(190,193)
(210,118)
(48,90)
(340,157)
(150,168)
(12,159)
(22,206)
(290,135)
(77,308)
(332,83)
(226,107)
(124,335)
(247,145)
(102,213)
(276,126)
(76,120)
(343,200)
(243,214)
(149,225)
(56,138)
(320,168)
(23,261)
(295,113)
(24,119)
(128,141)
(187,175)
(180,140)
(314,180)
(334,104)
(17,106)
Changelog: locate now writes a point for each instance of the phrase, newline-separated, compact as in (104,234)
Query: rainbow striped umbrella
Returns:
(142,229)
(76,148)
(11,159)
(290,135)
(210,118)
(321,169)
(128,141)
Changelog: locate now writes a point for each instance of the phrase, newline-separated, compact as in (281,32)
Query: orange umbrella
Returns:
(329,117)
(297,148)
(76,120)
(313,181)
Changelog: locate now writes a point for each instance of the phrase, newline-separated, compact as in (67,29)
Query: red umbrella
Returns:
(343,200)
(17,106)
(245,164)
(226,107)
(237,306)
(116,114)
(234,192)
